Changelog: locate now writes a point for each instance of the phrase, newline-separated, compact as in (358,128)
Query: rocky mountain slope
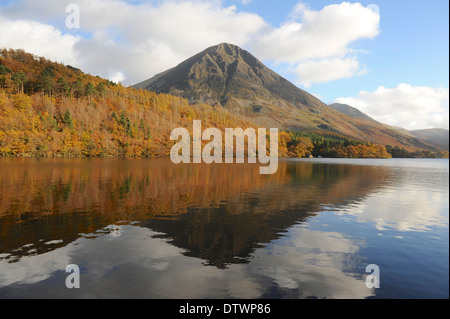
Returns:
(228,76)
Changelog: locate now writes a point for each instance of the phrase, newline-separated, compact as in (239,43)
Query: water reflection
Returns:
(148,228)
(219,214)
(414,200)
(141,268)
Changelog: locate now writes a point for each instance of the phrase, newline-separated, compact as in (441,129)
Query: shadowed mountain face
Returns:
(437,137)
(230,77)
(350,111)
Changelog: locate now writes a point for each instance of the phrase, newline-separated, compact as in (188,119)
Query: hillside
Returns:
(383,133)
(229,77)
(437,137)
(48,109)
(351,111)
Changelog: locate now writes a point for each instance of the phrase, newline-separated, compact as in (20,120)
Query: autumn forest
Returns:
(49,109)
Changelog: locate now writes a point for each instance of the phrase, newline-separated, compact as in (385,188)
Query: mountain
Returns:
(48,109)
(230,77)
(350,111)
(436,136)
(226,75)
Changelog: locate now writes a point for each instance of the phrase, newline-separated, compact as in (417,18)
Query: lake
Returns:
(148,228)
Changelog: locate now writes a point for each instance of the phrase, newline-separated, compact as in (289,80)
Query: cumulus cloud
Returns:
(134,41)
(319,34)
(407,106)
(325,70)
(316,44)
(38,38)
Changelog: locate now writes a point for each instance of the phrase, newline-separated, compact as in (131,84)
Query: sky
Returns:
(389,59)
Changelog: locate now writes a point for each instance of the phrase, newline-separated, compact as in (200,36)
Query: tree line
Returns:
(49,109)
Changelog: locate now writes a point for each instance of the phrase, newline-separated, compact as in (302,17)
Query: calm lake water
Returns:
(147,228)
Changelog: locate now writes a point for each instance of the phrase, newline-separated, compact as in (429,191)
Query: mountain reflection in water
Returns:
(149,228)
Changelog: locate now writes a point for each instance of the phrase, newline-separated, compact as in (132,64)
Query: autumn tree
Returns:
(300,147)
(284,138)
(22,101)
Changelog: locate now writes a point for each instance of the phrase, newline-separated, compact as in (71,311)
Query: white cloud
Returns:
(317,43)
(325,70)
(407,106)
(138,40)
(142,39)
(40,39)
(319,34)
(118,77)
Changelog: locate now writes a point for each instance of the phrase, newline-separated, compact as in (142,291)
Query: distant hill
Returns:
(436,136)
(350,111)
(228,76)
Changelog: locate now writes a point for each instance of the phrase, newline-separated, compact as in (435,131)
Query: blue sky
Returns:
(412,46)
(390,59)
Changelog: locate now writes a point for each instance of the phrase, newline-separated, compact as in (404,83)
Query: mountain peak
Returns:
(230,76)
(228,47)
(231,50)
